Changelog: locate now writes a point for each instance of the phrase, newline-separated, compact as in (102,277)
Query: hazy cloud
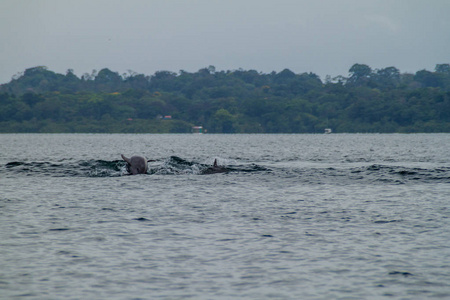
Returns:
(385,22)
(324,36)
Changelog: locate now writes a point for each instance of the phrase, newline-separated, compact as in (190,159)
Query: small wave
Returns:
(174,165)
(401,273)
(404,174)
(89,168)
(372,174)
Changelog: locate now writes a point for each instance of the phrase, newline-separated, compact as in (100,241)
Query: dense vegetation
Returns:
(240,101)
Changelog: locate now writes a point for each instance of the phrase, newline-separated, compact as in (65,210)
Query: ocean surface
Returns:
(336,216)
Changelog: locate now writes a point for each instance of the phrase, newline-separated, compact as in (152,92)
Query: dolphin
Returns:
(136,164)
(215,169)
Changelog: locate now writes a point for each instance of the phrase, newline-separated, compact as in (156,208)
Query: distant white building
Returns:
(197,129)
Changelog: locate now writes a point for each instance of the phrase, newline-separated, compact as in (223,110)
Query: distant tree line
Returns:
(238,101)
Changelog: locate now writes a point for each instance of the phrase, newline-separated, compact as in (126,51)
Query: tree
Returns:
(428,79)
(163,80)
(224,121)
(284,75)
(359,74)
(443,68)
(227,101)
(32,99)
(107,80)
(106,76)
(388,77)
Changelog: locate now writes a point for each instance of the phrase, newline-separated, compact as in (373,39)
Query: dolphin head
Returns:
(136,164)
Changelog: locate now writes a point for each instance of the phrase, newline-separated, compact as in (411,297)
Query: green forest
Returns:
(239,101)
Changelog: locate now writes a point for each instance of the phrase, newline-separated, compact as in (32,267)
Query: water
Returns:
(295,217)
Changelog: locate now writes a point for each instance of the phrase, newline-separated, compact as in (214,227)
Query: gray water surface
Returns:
(345,216)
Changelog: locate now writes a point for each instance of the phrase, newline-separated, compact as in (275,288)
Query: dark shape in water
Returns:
(406,274)
(136,164)
(215,169)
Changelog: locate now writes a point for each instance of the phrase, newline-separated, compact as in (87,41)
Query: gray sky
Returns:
(322,36)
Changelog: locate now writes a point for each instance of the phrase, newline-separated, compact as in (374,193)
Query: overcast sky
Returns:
(322,36)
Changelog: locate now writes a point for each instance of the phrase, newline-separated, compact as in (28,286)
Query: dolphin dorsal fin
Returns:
(126,159)
(215,162)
